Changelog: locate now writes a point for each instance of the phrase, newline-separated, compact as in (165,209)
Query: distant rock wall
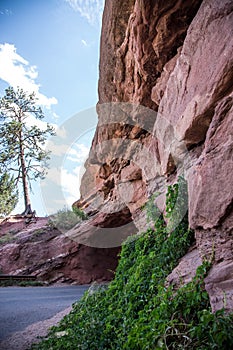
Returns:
(40,250)
(175,58)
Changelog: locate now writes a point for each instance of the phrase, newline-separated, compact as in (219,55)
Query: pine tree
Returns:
(22,146)
(8,194)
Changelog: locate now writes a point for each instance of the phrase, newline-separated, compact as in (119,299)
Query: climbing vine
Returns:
(138,311)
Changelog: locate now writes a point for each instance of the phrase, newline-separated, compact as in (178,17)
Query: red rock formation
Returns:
(42,251)
(174,57)
(165,108)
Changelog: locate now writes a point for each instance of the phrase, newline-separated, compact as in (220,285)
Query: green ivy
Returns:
(152,211)
(138,311)
(177,203)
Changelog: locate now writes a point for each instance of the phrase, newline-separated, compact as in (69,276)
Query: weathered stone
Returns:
(186,269)
(131,173)
(210,184)
(138,38)
(49,255)
(202,76)
(219,286)
(173,58)
(161,83)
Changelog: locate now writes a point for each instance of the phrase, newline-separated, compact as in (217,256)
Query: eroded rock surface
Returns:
(42,251)
(174,58)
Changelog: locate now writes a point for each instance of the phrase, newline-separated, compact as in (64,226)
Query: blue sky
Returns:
(52,47)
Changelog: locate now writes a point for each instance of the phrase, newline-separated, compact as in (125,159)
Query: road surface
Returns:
(23,306)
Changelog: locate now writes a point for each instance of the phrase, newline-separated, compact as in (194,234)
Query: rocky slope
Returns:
(40,250)
(165,108)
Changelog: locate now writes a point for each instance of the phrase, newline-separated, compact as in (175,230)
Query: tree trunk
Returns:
(28,210)
(27,202)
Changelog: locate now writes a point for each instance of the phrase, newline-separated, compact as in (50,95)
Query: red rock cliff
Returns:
(170,65)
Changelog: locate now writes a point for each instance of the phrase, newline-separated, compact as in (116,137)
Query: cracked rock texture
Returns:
(165,108)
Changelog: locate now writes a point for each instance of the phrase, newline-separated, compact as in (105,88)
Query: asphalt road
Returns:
(23,306)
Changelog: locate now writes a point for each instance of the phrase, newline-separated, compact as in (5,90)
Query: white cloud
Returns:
(79,154)
(63,180)
(53,174)
(61,132)
(84,42)
(57,150)
(32,120)
(55,116)
(67,178)
(17,72)
(68,181)
(90,9)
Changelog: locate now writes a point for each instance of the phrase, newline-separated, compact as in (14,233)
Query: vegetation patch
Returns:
(65,218)
(7,238)
(8,194)
(137,311)
(11,282)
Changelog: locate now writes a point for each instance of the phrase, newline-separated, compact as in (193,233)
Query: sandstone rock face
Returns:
(174,58)
(165,109)
(186,269)
(42,251)
(138,38)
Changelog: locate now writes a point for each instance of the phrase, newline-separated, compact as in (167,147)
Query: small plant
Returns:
(14,231)
(7,238)
(65,219)
(79,212)
(38,232)
(10,236)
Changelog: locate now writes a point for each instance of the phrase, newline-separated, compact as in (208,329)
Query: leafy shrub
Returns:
(38,232)
(138,311)
(65,218)
(7,238)
(12,282)
(79,212)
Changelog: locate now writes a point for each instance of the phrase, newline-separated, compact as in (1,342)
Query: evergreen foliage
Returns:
(22,146)
(8,194)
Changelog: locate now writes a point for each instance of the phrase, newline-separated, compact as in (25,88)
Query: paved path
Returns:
(23,306)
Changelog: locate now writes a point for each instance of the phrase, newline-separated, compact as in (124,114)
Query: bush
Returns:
(65,218)
(7,237)
(79,212)
(11,282)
